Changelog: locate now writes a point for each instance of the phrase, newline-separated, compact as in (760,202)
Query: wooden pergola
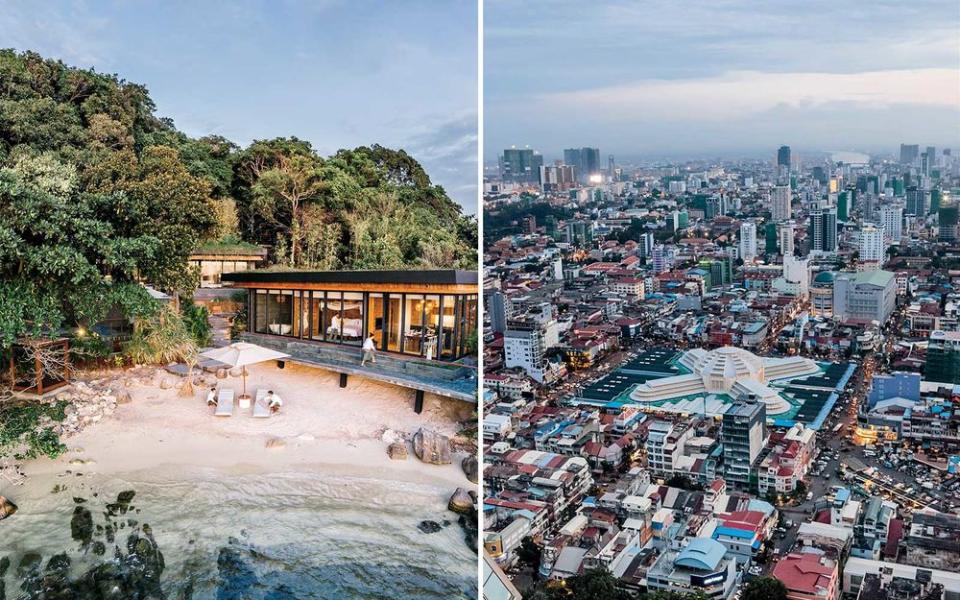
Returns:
(28,371)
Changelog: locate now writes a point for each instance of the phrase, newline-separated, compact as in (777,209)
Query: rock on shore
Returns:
(7,508)
(431,447)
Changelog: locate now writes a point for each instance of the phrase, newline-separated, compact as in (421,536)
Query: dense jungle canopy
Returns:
(98,193)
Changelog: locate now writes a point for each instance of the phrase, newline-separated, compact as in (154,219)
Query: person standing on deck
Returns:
(369,351)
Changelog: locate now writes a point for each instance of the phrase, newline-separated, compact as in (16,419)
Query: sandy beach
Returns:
(323,511)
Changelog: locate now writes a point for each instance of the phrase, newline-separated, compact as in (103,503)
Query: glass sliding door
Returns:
(280,312)
(413,315)
(469,322)
(351,314)
(394,322)
(375,319)
(448,322)
(316,315)
(431,316)
(260,312)
(332,319)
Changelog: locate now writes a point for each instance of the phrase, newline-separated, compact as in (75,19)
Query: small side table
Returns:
(243,402)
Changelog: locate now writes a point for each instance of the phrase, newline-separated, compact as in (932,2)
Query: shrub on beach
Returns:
(161,339)
(25,430)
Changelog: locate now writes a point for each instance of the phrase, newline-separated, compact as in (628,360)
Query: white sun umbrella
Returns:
(241,354)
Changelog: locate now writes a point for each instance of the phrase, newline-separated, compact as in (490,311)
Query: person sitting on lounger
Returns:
(212,396)
(273,401)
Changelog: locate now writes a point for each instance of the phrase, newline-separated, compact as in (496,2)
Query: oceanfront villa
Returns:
(423,323)
(792,389)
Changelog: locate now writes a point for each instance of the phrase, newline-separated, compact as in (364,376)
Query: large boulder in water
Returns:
(461,502)
(7,508)
(431,447)
(471,468)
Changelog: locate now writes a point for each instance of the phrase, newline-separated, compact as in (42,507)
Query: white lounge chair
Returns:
(224,403)
(260,408)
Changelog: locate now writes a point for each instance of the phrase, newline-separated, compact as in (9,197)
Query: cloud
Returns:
(448,151)
(744,93)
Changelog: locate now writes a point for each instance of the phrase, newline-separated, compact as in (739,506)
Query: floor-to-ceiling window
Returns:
(375,322)
(260,312)
(351,315)
(413,316)
(394,322)
(448,321)
(431,317)
(280,312)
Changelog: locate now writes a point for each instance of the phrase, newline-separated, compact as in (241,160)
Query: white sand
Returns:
(323,428)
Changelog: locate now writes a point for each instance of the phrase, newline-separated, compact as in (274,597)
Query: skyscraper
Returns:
(783,157)
(520,165)
(611,167)
(586,160)
(891,219)
(909,153)
(949,216)
(743,435)
(872,246)
(748,240)
(788,232)
(823,230)
(780,203)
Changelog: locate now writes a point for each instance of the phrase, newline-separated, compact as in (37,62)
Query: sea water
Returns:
(228,535)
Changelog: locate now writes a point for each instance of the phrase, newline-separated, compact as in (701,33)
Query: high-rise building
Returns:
(843,205)
(936,198)
(780,203)
(787,235)
(586,160)
(524,348)
(743,435)
(949,216)
(661,259)
(611,167)
(645,244)
(520,165)
(823,230)
(748,240)
(557,178)
(771,241)
(872,246)
(943,357)
(499,309)
(891,219)
(917,201)
(783,157)
(909,153)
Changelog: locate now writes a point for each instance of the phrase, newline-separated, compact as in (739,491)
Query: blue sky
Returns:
(662,78)
(338,73)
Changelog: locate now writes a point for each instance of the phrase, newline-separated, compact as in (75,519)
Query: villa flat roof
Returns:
(430,277)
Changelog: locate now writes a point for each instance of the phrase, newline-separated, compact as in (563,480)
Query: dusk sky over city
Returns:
(253,70)
(662,79)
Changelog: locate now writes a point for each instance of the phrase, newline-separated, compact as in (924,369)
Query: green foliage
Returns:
(368,208)
(22,431)
(764,588)
(598,584)
(161,339)
(196,319)
(89,346)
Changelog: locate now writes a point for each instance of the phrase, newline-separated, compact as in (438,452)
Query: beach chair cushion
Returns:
(260,408)
(224,403)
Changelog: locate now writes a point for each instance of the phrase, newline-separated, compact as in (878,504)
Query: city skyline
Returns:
(263,78)
(670,81)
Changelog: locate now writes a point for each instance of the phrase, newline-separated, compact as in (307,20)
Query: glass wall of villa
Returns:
(414,319)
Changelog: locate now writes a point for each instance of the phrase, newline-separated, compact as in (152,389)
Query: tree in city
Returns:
(764,588)
(597,584)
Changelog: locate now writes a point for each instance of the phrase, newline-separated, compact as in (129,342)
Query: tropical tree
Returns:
(764,588)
